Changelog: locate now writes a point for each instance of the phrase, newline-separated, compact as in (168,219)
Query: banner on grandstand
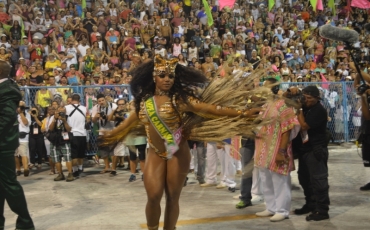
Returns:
(363,4)
(319,5)
(228,3)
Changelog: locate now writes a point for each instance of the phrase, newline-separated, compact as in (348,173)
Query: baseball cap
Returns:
(98,34)
(312,91)
(111,29)
(299,77)
(24,37)
(35,37)
(349,77)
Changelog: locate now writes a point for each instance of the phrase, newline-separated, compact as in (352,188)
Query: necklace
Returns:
(161,92)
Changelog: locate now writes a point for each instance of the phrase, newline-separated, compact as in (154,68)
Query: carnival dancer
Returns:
(167,105)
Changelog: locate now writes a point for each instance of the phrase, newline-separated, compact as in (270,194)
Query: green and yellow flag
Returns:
(207,9)
(313,4)
(271,4)
(83,5)
(331,4)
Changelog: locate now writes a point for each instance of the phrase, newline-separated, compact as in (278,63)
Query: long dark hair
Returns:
(186,81)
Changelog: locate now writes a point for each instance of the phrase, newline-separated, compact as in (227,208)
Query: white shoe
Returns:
(264,213)
(237,197)
(257,199)
(278,217)
(221,185)
(207,185)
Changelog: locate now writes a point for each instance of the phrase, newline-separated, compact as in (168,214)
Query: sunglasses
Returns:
(120,104)
(164,75)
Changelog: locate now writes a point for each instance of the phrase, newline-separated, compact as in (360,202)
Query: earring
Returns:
(154,79)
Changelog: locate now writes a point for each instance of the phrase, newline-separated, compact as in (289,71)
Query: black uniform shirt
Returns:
(316,118)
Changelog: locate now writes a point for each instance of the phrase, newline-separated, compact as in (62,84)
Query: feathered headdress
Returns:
(163,66)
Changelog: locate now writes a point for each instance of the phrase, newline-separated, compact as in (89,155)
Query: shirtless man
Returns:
(208,67)
(166,32)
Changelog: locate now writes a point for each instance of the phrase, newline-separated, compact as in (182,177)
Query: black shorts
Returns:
(366,150)
(78,147)
(140,148)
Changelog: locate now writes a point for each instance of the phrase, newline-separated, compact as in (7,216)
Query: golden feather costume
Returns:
(233,92)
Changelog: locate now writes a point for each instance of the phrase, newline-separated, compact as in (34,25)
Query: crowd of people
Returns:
(62,43)
(75,59)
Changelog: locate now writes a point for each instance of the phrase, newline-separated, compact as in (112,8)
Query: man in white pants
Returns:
(274,157)
(228,170)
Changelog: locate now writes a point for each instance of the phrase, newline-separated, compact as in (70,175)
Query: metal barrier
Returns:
(45,95)
(339,98)
(342,104)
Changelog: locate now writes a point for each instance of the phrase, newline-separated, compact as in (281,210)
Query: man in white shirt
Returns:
(76,120)
(100,114)
(71,53)
(24,120)
(81,48)
(300,23)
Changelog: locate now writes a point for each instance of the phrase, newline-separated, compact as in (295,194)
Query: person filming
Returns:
(311,148)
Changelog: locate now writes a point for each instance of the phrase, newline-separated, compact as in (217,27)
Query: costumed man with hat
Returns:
(312,151)
(10,189)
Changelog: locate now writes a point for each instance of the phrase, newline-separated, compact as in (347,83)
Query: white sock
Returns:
(75,168)
(80,167)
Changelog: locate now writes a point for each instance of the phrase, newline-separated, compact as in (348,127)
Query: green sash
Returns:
(171,140)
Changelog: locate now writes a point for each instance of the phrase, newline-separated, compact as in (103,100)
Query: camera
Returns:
(103,115)
(62,114)
(23,108)
(34,112)
(362,88)
(120,113)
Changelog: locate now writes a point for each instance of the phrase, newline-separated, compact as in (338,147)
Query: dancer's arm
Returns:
(220,111)
(132,119)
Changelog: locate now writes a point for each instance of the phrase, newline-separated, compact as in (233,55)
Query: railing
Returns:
(339,98)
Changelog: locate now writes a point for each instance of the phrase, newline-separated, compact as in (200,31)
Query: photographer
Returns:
(100,114)
(60,146)
(36,139)
(77,120)
(364,92)
(45,128)
(312,151)
(24,120)
(118,116)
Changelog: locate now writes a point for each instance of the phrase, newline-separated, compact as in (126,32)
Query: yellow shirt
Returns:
(52,65)
(187,2)
(43,98)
